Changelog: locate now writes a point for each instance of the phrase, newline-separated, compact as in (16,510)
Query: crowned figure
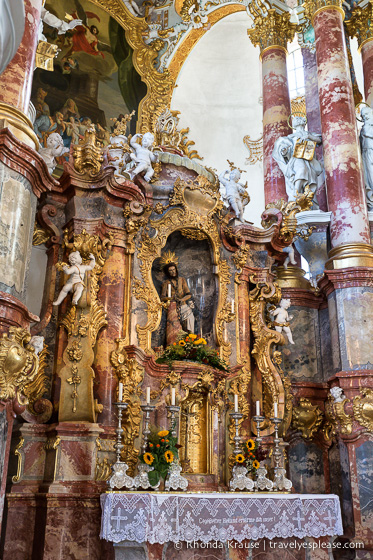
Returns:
(175,290)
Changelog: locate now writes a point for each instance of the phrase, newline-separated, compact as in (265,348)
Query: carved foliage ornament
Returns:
(168,135)
(312,6)
(131,374)
(199,209)
(88,156)
(18,364)
(307,418)
(360,24)
(363,408)
(271,28)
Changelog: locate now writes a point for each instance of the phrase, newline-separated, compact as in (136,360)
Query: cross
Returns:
(331,520)
(299,519)
(119,518)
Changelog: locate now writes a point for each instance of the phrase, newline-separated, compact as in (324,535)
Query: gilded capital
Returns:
(271,28)
(313,7)
(360,25)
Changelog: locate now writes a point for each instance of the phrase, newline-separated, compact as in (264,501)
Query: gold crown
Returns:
(168,258)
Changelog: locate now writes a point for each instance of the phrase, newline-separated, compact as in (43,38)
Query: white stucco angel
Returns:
(337,394)
(143,156)
(76,273)
(61,26)
(235,192)
(282,318)
(55,148)
(295,156)
(290,256)
(366,144)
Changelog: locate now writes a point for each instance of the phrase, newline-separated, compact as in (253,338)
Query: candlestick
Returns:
(119,445)
(120,396)
(169,290)
(236,403)
(258,408)
(237,439)
(148,408)
(173,396)
(174,413)
(148,395)
(281,483)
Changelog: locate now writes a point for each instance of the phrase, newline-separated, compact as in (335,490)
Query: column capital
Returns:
(271,28)
(313,7)
(360,24)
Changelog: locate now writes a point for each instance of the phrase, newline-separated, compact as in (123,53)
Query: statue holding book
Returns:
(295,155)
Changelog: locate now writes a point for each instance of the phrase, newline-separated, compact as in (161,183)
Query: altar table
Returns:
(175,517)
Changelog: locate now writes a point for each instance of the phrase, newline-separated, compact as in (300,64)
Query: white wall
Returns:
(218,91)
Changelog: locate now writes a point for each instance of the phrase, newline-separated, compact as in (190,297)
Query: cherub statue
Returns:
(38,343)
(337,394)
(143,155)
(76,272)
(282,319)
(295,156)
(290,256)
(55,148)
(234,191)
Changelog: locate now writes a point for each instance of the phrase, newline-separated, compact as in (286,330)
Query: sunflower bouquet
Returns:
(161,451)
(192,348)
(250,456)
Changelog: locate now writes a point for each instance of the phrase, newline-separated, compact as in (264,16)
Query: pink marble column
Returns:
(276,111)
(16,80)
(343,167)
(367,58)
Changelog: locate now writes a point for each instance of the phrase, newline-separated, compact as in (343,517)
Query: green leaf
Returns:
(153,477)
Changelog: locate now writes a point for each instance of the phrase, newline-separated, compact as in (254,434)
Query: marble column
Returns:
(272,33)
(367,57)
(349,228)
(16,80)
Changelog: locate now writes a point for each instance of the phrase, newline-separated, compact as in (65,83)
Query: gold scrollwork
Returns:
(271,28)
(131,374)
(35,390)
(363,408)
(360,23)
(201,205)
(88,154)
(19,453)
(255,148)
(276,387)
(307,418)
(40,235)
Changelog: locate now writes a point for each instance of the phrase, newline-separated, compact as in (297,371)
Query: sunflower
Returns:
(169,456)
(250,444)
(148,458)
(203,341)
(256,464)
(198,341)
(240,458)
(163,433)
(192,336)
(182,343)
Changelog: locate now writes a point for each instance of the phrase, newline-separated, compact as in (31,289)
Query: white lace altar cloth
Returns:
(172,517)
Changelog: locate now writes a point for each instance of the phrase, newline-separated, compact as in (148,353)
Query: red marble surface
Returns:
(343,167)
(345,278)
(276,110)
(367,59)
(111,295)
(13,313)
(16,80)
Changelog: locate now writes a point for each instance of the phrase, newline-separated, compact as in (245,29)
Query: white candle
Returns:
(275,410)
(148,395)
(201,331)
(169,290)
(120,397)
(173,391)
(257,408)
(232,305)
(236,403)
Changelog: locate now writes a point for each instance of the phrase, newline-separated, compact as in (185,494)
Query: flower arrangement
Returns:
(250,456)
(193,348)
(161,450)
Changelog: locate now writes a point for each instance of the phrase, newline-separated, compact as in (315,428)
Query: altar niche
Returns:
(194,263)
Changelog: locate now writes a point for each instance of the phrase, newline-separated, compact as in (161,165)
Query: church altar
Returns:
(160,517)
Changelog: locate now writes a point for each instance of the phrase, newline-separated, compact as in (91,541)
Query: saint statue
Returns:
(366,143)
(175,290)
(295,155)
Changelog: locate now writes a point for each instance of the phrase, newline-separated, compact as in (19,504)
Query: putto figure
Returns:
(55,148)
(76,272)
(282,318)
(143,155)
(175,290)
(235,192)
(295,156)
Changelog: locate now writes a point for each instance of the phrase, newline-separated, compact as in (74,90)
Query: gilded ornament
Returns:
(88,154)
(289,229)
(312,7)
(201,205)
(298,106)
(36,389)
(343,421)
(239,386)
(363,408)
(167,134)
(103,470)
(255,148)
(20,455)
(18,364)
(40,236)
(307,418)
(240,258)
(271,28)
(131,374)
(330,425)
(52,444)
